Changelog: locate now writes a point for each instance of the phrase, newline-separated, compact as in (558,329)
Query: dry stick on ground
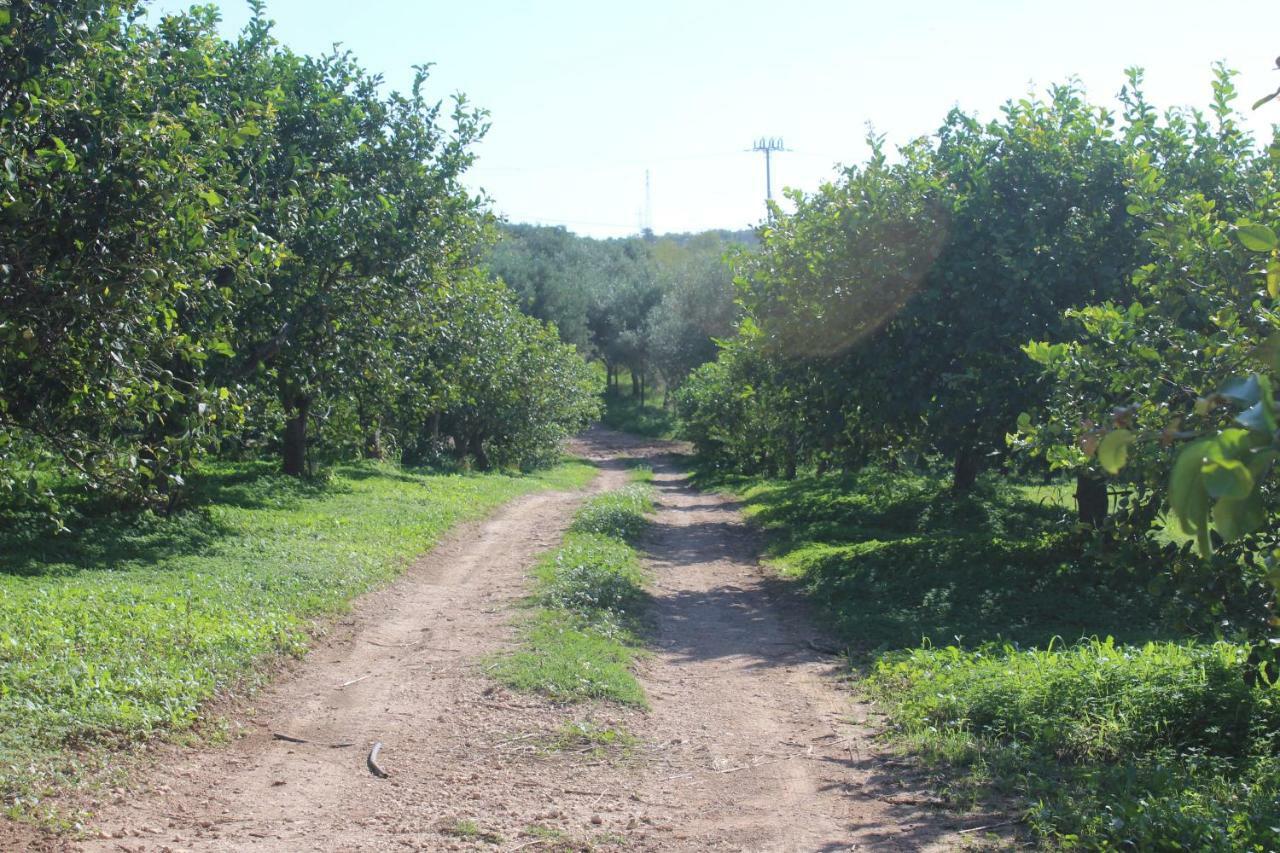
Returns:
(990,826)
(393,645)
(374,767)
(289,738)
(343,744)
(353,681)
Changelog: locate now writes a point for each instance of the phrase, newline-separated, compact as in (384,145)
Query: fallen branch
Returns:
(990,826)
(374,767)
(353,681)
(393,645)
(290,738)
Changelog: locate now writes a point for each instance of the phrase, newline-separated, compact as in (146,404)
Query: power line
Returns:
(768,145)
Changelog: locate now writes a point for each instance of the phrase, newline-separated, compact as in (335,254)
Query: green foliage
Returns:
(977,614)
(124,231)
(652,305)
(881,315)
(1140,379)
(585,635)
(220,247)
(122,629)
(569,662)
(1163,746)
(498,384)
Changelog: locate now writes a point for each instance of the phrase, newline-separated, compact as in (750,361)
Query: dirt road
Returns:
(751,744)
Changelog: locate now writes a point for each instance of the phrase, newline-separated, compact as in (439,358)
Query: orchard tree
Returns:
(364,194)
(126,232)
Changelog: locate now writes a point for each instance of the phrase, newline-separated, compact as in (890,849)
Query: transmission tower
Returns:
(768,145)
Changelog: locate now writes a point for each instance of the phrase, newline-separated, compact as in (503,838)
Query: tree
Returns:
(364,196)
(125,231)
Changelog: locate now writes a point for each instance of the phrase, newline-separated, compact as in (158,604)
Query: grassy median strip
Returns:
(121,629)
(588,608)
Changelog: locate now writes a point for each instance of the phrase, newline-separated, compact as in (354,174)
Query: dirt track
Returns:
(751,743)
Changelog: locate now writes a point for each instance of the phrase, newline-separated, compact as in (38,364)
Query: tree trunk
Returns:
(635,385)
(373,448)
(968,464)
(1091,498)
(295,436)
(642,390)
(477,452)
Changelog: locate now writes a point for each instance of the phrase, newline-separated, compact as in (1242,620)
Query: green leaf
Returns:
(211,198)
(1234,518)
(1113,450)
(1254,237)
(1226,478)
(5,17)
(1245,391)
(1188,498)
(1257,418)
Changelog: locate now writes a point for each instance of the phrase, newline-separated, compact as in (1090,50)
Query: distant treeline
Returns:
(652,306)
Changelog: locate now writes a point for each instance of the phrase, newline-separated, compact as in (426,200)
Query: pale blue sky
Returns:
(585,96)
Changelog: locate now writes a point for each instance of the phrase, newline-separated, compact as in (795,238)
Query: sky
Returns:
(587,98)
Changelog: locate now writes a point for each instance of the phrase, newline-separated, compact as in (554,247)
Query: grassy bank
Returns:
(588,605)
(1054,680)
(121,629)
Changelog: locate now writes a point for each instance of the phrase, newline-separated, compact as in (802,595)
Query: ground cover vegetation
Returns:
(587,620)
(930,348)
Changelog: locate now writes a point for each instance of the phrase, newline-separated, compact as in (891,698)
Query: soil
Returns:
(753,742)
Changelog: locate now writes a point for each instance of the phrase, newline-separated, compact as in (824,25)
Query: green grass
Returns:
(589,604)
(121,629)
(1160,746)
(627,415)
(618,515)
(893,560)
(976,620)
